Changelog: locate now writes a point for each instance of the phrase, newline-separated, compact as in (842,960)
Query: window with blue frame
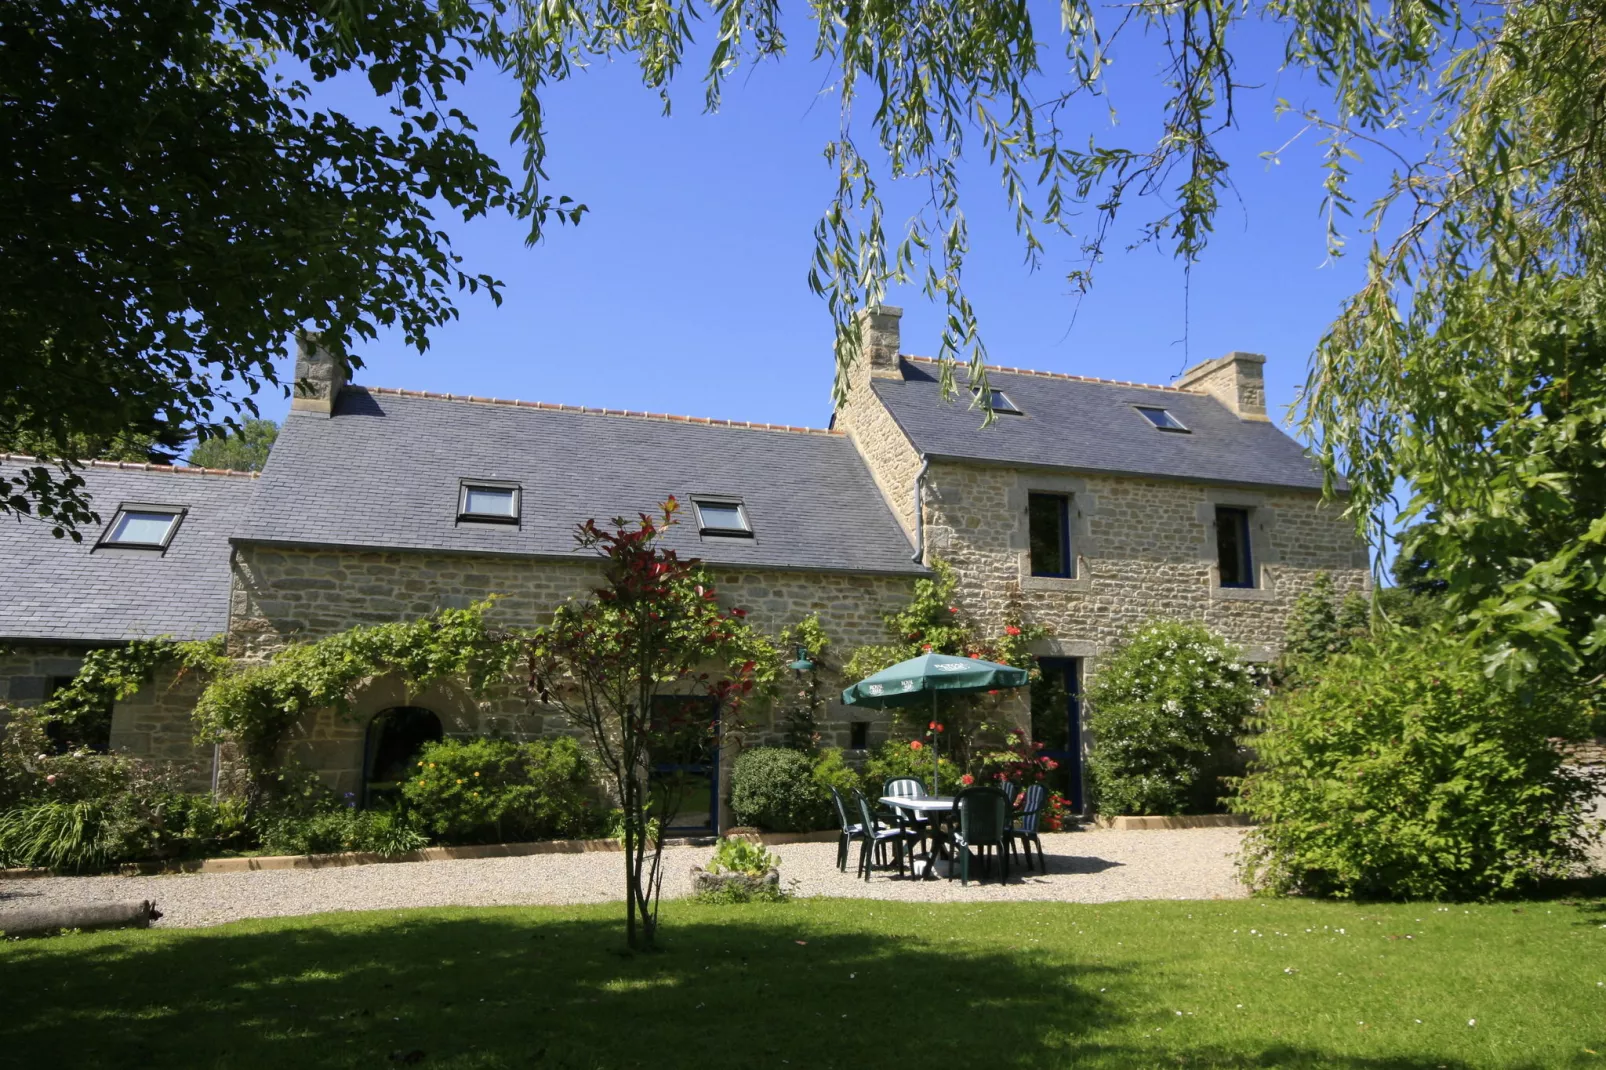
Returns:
(1235,559)
(1048,521)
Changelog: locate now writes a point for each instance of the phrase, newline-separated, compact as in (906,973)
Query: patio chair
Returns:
(982,823)
(874,836)
(850,831)
(1008,788)
(1023,830)
(904,787)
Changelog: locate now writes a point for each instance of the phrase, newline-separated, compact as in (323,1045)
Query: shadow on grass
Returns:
(744,987)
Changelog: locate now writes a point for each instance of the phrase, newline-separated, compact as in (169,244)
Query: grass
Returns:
(831,983)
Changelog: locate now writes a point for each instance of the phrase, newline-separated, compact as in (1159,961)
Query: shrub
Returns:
(342,828)
(774,788)
(495,790)
(1164,712)
(1403,771)
(896,759)
(831,770)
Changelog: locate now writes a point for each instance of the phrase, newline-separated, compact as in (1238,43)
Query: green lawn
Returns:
(831,983)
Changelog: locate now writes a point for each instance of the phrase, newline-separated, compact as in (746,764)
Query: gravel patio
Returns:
(1093,866)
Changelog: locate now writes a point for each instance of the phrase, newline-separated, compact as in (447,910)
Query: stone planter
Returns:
(704,882)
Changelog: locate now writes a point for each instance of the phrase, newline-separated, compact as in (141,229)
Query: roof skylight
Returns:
(489,503)
(1001,403)
(1161,418)
(149,527)
(722,517)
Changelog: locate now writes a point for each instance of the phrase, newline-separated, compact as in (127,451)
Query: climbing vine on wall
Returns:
(253,706)
(112,674)
(934,622)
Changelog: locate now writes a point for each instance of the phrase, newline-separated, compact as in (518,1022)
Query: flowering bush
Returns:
(495,790)
(1019,761)
(1164,713)
(1404,771)
(896,759)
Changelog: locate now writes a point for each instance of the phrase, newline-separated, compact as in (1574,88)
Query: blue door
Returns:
(1057,724)
(685,763)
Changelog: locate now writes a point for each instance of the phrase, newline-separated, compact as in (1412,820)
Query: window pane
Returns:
(1162,419)
(142,528)
(488,501)
(1232,548)
(1050,547)
(721,516)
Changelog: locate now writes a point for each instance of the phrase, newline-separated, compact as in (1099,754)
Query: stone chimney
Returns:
(1237,380)
(880,340)
(319,376)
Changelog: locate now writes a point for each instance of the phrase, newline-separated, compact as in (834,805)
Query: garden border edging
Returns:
(1180,821)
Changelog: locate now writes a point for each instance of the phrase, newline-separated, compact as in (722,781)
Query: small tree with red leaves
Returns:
(653,629)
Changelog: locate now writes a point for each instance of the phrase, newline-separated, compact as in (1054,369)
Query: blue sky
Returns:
(684,288)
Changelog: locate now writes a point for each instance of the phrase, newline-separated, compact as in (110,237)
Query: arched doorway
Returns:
(395,736)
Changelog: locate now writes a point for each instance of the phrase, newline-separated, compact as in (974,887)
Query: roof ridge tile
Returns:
(1007,370)
(552,406)
(139,466)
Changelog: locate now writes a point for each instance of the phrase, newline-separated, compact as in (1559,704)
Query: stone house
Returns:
(1087,506)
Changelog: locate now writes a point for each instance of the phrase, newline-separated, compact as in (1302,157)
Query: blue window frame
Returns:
(1048,521)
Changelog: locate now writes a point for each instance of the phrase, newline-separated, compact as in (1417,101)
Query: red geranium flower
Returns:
(1010,629)
(967,780)
(935,726)
(914,744)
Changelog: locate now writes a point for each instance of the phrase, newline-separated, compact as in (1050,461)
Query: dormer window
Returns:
(145,527)
(1001,403)
(1162,419)
(722,517)
(488,503)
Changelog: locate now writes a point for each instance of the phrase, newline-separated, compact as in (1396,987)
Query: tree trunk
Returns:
(33,921)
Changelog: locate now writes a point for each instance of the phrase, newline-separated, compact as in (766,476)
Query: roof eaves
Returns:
(569,558)
(1121,473)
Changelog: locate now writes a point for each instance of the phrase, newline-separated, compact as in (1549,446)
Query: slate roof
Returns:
(57,589)
(1091,425)
(384,473)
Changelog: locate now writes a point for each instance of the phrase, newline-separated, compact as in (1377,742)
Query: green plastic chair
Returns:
(874,836)
(904,787)
(1023,830)
(981,823)
(850,831)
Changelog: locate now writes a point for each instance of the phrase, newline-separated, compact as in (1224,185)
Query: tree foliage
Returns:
(244,450)
(1404,771)
(175,207)
(652,631)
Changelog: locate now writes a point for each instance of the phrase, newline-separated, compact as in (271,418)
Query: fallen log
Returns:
(35,921)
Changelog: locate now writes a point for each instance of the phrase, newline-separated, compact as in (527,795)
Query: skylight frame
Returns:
(1008,408)
(125,510)
(465,516)
(1172,426)
(722,502)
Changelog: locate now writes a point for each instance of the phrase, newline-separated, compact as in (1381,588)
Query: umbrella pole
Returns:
(936,756)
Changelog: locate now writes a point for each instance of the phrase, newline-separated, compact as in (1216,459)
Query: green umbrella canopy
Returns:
(919,679)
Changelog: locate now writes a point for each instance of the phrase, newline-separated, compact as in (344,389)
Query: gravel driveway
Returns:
(1094,866)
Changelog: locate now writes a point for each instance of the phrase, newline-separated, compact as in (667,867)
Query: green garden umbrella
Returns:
(909,682)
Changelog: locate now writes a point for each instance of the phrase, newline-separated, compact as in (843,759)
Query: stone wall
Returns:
(26,671)
(1144,549)
(284,595)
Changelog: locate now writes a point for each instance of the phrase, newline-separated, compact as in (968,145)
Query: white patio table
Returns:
(935,809)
